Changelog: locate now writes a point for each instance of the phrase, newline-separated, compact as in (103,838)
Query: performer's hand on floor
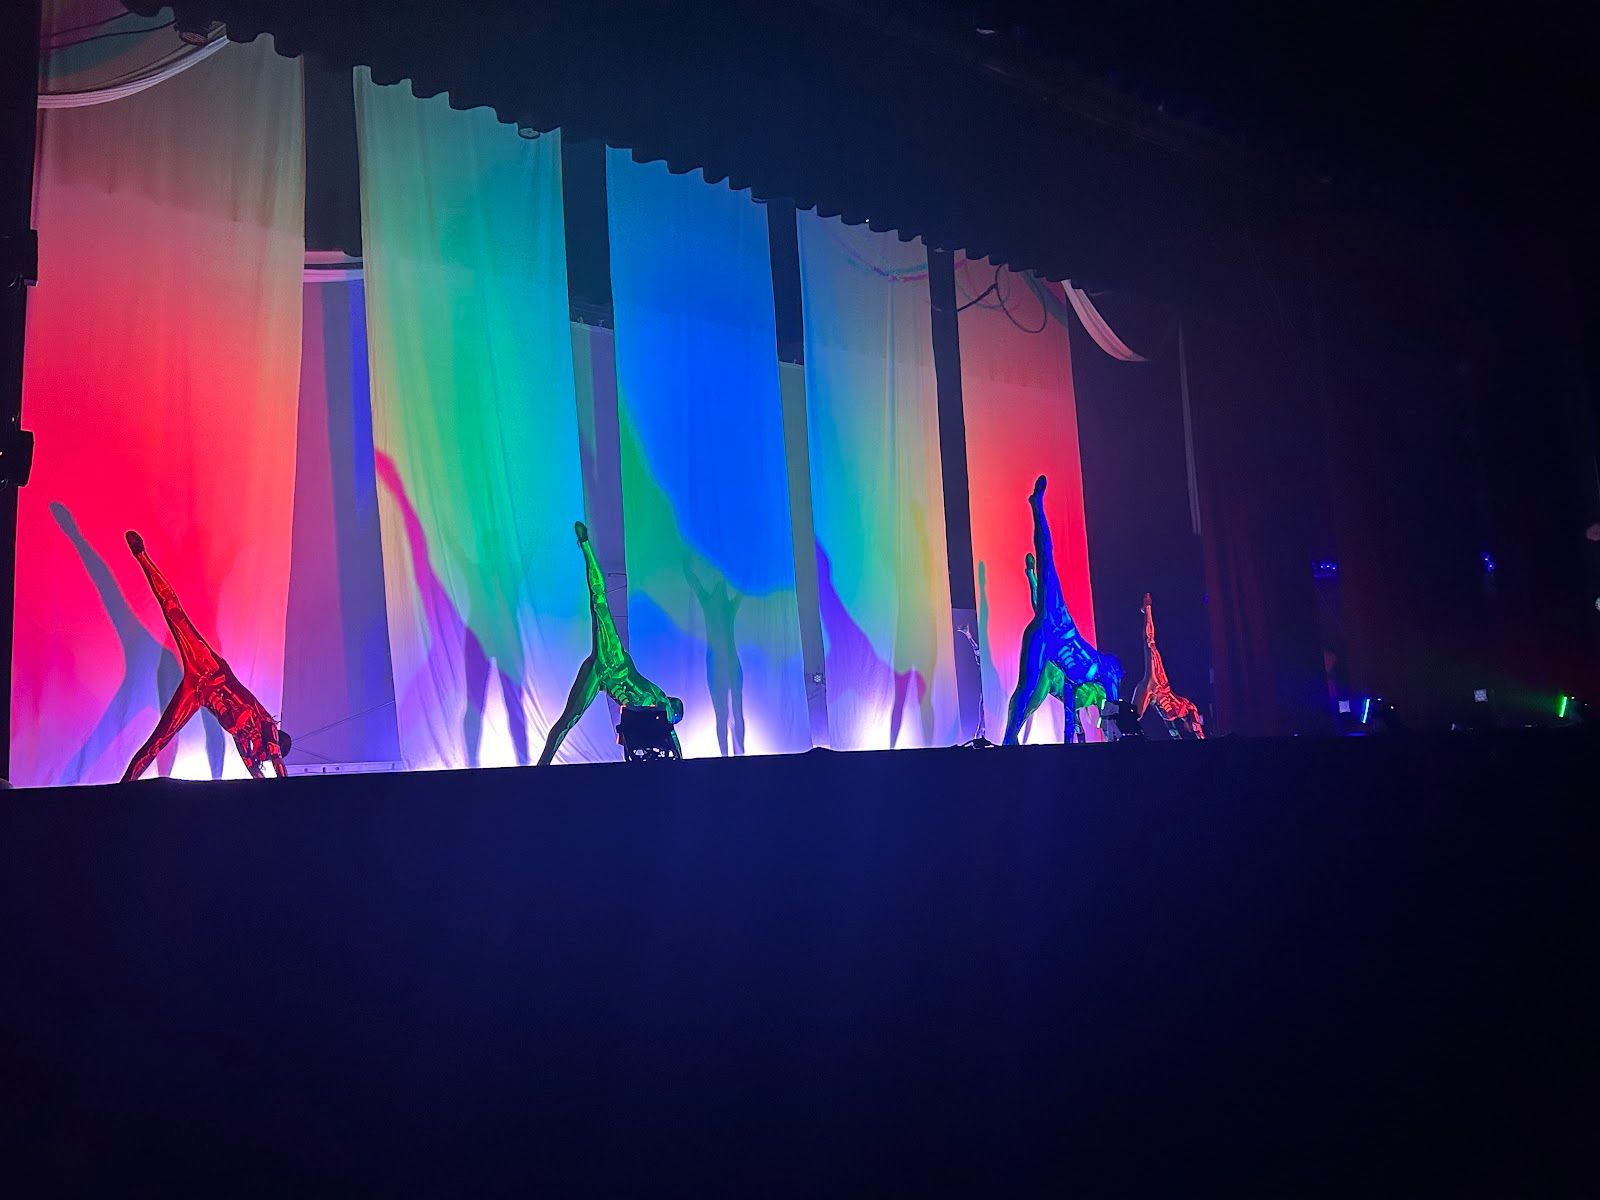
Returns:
(135,542)
(582,530)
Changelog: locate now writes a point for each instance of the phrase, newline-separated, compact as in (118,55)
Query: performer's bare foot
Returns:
(135,542)
(1144,605)
(1033,563)
(582,530)
(1038,487)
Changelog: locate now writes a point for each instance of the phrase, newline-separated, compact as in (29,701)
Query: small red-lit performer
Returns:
(208,682)
(1177,711)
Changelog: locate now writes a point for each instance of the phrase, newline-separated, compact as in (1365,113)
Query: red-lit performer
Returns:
(1177,711)
(208,682)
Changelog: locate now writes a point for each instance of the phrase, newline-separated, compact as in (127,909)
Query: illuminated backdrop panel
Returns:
(475,427)
(877,494)
(1022,422)
(712,615)
(161,375)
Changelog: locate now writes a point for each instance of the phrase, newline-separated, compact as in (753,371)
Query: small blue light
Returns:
(1366,709)
(1325,568)
(1488,562)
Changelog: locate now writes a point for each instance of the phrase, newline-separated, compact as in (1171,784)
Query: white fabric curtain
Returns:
(877,488)
(712,616)
(161,379)
(475,428)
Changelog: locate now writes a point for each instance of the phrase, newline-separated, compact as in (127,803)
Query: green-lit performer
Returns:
(609,668)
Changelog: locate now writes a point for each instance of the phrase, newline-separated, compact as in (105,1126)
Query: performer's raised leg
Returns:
(198,657)
(1051,600)
(184,704)
(1143,694)
(607,642)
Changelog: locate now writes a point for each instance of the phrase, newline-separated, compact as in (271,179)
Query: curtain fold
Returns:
(877,491)
(475,428)
(1104,336)
(1021,419)
(712,615)
(161,376)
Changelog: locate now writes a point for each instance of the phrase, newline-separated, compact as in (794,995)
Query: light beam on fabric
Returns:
(876,489)
(161,375)
(338,686)
(712,616)
(475,426)
(1022,422)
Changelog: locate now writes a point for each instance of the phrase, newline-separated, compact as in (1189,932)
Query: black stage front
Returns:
(1291,966)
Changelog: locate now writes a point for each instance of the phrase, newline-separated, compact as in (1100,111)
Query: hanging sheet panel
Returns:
(877,496)
(475,428)
(712,616)
(162,368)
(1022,422)
(338,686)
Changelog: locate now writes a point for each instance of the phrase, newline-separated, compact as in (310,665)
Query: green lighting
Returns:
(1561,707)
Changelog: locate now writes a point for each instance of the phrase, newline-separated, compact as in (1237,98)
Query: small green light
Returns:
(1561,707)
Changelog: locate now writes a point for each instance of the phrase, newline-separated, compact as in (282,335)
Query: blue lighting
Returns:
(1325,568)
(1488,562)
(1366,709)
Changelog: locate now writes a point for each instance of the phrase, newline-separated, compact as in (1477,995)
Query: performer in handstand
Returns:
(1056,659)
(609,668)
(208,682)
(1177,711)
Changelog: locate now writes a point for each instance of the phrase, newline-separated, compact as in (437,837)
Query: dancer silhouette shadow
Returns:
(151,671)
(447,623)
(988,675)
(719,605)
(914,643)
(851,656)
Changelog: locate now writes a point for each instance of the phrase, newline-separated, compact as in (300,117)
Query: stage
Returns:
(1296,966)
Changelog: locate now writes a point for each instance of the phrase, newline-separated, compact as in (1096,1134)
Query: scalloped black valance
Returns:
(792,101)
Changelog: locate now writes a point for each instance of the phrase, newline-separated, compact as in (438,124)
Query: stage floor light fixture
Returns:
(645,735)
(1124,719)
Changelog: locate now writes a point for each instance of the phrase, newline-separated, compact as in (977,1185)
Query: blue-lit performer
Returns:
(1056,659)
